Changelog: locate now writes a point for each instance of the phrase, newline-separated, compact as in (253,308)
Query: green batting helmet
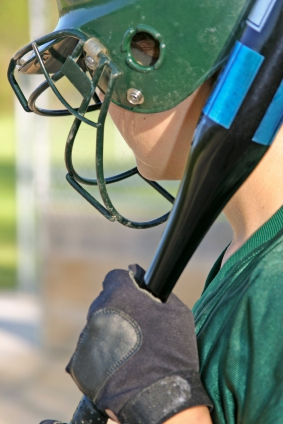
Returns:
(96,43)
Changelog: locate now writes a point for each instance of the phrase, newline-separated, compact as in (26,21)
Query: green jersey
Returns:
(239,326)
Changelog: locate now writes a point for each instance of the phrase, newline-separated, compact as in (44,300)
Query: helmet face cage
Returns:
(86,86)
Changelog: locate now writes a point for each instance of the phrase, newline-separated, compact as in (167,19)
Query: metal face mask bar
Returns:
(99,63)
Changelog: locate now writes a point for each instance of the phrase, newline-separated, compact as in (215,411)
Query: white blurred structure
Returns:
(32,164)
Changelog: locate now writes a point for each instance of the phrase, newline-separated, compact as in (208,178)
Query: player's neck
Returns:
(258,199)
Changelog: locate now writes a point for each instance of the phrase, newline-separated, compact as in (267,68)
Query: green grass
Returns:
(8,257)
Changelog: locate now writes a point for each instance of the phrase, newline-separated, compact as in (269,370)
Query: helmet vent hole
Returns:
(145,49)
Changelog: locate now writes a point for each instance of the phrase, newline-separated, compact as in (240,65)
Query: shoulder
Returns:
(265,273)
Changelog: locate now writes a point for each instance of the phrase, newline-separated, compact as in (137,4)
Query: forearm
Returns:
(195,415)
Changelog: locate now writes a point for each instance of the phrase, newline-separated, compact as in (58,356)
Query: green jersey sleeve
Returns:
(253,367)
(240,339)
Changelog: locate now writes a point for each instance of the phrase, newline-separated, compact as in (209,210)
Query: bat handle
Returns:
(86,413)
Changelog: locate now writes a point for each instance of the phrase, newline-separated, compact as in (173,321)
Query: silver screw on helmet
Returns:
(90,63)
(135,97)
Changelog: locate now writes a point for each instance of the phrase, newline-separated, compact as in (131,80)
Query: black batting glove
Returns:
(137,356)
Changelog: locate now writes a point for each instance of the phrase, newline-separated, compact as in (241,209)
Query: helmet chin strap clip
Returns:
(93,48)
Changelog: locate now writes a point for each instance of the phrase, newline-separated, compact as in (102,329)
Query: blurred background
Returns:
(55,249)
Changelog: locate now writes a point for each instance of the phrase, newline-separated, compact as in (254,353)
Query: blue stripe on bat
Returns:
(233,85)
(272,120)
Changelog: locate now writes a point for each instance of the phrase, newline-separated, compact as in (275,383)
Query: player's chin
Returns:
(154,173)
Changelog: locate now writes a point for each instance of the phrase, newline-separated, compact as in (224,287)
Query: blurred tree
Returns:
(14,33)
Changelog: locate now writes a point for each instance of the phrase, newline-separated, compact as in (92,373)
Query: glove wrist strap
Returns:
(165,398)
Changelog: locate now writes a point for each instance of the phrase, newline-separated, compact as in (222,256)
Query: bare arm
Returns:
(195,415)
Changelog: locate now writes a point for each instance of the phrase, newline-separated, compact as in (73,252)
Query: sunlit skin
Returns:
(161,144)
(258,198)
(194,415)
(161,141)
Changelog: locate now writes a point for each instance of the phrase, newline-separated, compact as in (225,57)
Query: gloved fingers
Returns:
(115,278)
(118,288)
(122,292)
(123,281)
